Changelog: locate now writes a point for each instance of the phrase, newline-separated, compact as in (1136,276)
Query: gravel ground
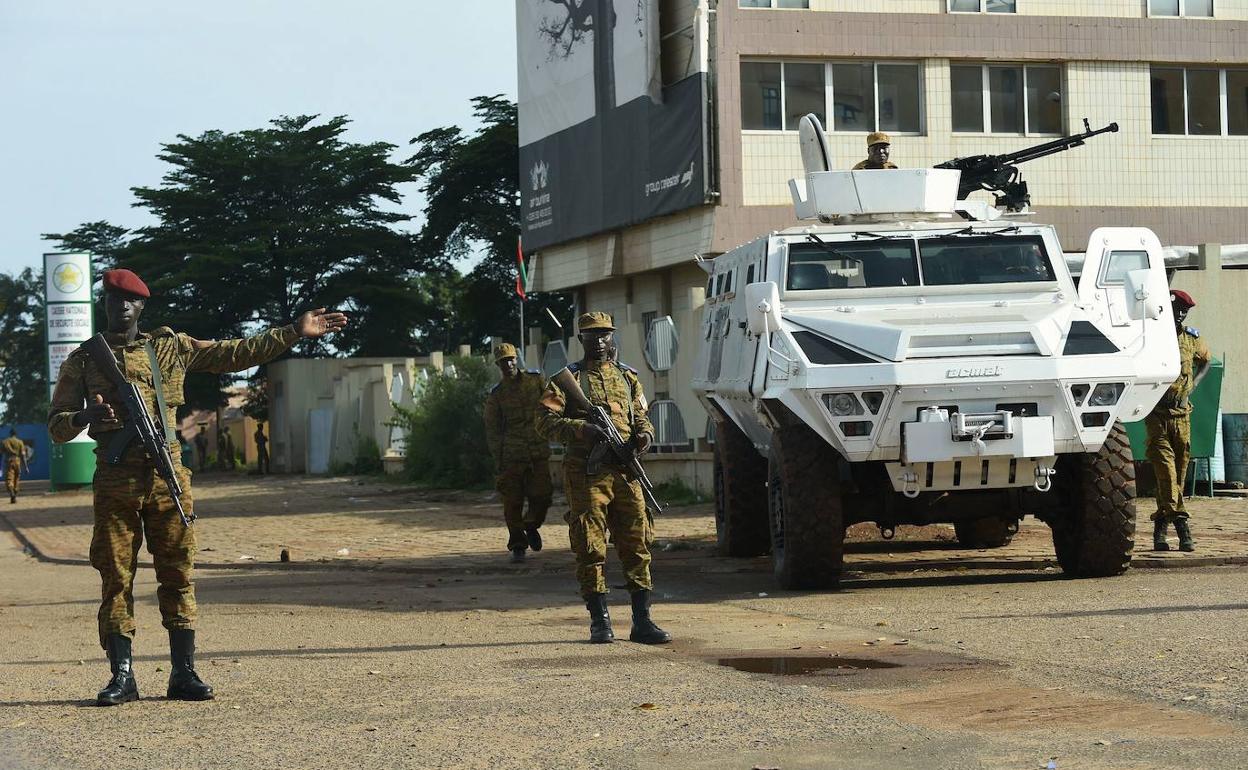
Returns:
(485,667)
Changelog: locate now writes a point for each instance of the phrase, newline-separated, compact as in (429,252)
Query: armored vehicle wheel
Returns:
(804,509)
(989,532)
(1094,535)
(740,494)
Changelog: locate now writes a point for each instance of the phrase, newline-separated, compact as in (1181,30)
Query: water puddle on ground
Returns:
(802,666)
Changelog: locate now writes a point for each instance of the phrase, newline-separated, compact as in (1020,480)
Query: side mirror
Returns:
(762,307)
(1141,303)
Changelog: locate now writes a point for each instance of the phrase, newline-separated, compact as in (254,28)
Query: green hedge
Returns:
(445,434)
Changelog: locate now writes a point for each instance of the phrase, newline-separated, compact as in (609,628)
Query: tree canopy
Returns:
(23,353)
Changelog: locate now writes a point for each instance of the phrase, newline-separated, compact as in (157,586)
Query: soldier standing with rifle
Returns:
(132,385)
(521,457)
(602,421)
(1169,428)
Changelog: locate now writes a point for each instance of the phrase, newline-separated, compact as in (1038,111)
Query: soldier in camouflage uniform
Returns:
(1169,428)
(607,501)
(878,148)
(131,500)
(521,457)
(14,451)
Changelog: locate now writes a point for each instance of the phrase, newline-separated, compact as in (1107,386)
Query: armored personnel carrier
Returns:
(913,357)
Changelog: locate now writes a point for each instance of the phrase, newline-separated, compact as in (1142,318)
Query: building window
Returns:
(1199,102)
(982,6)
(774,4)
(1006,99)
(864,96)
(1191,8)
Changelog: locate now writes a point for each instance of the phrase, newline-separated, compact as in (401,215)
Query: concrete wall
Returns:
(355,390)
(1219,295)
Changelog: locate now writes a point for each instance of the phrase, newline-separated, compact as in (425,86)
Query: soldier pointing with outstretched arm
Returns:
(131,498)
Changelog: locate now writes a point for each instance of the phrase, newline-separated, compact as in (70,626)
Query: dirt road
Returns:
(455,659)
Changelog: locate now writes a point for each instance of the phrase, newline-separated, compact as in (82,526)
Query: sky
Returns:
(90,89)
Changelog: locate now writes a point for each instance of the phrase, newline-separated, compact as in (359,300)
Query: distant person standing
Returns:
(201,448)
(878,147)
(14,451)
(1169,428)
(225,448)
(262,449)
(520,455)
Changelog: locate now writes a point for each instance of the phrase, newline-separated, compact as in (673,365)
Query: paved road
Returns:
(486,668)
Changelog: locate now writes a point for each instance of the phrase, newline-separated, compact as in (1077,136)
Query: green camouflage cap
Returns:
(504,350)
(595,321)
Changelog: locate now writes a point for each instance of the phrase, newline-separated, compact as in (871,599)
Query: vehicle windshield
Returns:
(966,260)
(851,265)
(952,260)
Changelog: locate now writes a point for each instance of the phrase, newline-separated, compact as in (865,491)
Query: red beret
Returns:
(126,281)
(1178,295)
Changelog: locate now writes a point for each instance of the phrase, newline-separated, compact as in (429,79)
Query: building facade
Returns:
(945,78)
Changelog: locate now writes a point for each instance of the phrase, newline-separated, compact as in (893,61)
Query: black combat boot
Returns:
(599,620)
(644,630)
(1159,534)
(184,683)
(1186,543)
(534,537)
(121,688)
(517,555)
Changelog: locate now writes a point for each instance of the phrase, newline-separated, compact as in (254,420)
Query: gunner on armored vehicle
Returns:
(878,145)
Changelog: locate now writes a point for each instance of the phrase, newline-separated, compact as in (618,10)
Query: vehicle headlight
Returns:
(1106,394)
(842,404)
(1079,393)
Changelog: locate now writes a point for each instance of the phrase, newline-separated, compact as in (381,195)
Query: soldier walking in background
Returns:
(878,147)
(262,450)
(1169,428)
(14,451)
(225,449)
(201,446)
(521,456)
(608,500)
(131,500)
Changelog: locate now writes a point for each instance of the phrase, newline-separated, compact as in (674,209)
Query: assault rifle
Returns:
(999,173)
(620,451)
(140,425)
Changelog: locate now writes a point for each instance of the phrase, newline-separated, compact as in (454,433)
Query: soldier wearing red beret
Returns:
(131,500)
(1170,430)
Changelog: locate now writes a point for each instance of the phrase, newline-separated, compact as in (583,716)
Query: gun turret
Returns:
(1000,174)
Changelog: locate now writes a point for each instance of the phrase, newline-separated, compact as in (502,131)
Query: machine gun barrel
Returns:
(999,173)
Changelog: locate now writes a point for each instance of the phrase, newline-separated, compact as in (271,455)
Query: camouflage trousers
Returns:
(1169,450)
(516,483)
(131,501)
(13,476)
(602,504)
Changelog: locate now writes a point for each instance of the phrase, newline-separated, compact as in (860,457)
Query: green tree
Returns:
(23,354)
(253,227)
(472,185)
(445,440)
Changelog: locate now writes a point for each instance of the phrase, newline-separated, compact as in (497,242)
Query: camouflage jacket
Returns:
(611,385)
(1193,355)
(176,354)
(14,448)
(510,412)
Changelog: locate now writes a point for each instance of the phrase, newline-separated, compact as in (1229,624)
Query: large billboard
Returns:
(603,143)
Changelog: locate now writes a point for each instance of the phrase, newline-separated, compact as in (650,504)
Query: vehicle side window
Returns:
(728,283)
(710,287)
(1119,263)
(749,275)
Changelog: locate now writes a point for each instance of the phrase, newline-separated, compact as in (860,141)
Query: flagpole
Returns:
(523,342)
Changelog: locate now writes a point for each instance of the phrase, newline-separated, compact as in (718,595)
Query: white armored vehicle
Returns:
(914,358)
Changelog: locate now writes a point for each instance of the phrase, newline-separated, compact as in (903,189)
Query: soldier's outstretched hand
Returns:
(318,323)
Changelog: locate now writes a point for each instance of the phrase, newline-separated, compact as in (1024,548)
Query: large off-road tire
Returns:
(740,494)
(989,532)
(804,510)
(1094,533)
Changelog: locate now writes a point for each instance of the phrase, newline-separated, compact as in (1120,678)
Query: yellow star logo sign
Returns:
(67,278)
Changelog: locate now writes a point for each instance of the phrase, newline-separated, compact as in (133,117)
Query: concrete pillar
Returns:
(465,351)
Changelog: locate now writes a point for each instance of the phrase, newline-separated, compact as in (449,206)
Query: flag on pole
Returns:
(522,278)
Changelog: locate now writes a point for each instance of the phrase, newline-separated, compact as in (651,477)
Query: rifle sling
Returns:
(159,384)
